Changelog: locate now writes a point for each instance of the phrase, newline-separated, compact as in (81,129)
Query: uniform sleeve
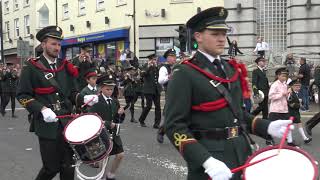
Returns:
(163,75)
(25,94)
(257,126)
(254,79)
(178,118)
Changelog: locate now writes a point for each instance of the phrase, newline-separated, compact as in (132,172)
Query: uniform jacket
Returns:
(129,86)
(260,81)
(150,80)
(31,79)
(9,82)
(187,88)
(294,106)
(83,67)
(108,114)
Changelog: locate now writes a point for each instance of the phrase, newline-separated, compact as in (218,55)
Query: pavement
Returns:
(145,159)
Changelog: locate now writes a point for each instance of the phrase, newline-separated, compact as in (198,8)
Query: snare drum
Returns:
(88,138)
(292,163)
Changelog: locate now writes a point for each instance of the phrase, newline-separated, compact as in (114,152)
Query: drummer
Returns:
(112,114)
(204,119)
(46,90)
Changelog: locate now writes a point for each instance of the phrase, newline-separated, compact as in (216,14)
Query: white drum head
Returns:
(83,128)
(289,164)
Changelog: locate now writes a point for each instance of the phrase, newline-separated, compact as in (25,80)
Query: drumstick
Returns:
(85,104)
(251,164)
(285,135)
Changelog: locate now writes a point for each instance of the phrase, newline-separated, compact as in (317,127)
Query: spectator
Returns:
(290,63)
(233,48)
(261,47)
(304,77)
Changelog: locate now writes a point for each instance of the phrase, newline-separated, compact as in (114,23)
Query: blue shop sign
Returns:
(109,35)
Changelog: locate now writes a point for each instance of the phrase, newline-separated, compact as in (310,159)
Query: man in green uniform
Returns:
(83,62)
(9,85)
(46,89)
(151,90)
(199,120)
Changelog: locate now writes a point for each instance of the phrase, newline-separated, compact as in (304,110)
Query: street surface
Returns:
(145,159)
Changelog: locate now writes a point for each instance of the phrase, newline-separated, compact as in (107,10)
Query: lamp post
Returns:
(133,15)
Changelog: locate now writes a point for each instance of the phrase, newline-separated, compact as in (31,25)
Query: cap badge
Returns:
(221,13)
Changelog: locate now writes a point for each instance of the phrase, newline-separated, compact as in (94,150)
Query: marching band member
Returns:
(46,89)
(204,117)
(108,108)
(164,77)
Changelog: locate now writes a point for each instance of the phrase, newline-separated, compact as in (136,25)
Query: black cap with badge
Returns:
(169,52)
(107,80)
(50,31)
(212,18)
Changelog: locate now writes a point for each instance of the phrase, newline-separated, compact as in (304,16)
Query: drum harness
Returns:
(50,77)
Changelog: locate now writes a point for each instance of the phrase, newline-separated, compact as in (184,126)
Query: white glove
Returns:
(49,115)
(88,98)
(216,169)
(277,128)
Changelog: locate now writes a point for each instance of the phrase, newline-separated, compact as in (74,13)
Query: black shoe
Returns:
(156,126)
(308,131)
(133,120)
(269,142)
(143,124)
(160,138)
(292,144)
(110,178)
(14,116)
(3,113)
(308,140)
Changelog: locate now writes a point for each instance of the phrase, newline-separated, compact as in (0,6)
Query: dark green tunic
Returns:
(32,78)
(189,87)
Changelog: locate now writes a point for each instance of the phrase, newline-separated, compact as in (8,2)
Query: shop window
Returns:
(69,53)
(75,51)
(111,51)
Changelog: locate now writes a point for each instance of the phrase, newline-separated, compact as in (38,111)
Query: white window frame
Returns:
(16,28)
(65,11)
(16,5)
(82,7)
(7,28)
(100,5)
(180,1)
(27,25)
(6,6)
(26,3)
(121,2)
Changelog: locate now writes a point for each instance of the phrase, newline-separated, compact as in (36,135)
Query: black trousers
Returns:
(5,98)
(311,123)
(56,158)
(263,106)
(130,104)
(141,95)
(156,100)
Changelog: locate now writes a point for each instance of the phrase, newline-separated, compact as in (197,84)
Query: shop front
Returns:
(106,45)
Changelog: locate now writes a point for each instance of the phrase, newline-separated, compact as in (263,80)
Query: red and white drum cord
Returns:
(81,176)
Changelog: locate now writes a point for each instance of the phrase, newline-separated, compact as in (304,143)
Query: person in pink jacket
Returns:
(278,97)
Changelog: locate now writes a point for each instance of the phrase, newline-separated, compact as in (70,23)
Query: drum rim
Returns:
(92,137)
(305,153)
(102,156)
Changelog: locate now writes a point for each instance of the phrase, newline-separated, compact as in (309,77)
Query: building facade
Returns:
(288,26)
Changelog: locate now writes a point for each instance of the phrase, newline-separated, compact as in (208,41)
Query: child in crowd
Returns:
(278,96)
(294,106)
